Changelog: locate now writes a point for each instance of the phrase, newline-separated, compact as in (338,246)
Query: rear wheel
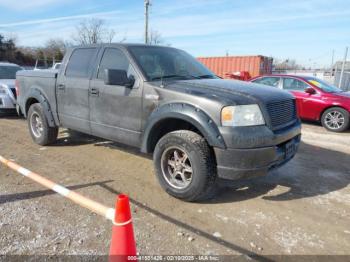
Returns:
(185,166)
(39,128)
(335,119)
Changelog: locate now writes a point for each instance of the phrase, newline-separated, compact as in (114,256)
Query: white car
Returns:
(56,66)
(7,87)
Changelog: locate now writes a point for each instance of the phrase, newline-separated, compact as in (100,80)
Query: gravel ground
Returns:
(303,208)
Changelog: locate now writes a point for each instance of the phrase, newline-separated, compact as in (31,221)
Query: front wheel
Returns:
(335,119)
(185,165)
(39,128)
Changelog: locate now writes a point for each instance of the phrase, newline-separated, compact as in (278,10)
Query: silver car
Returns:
(7,86)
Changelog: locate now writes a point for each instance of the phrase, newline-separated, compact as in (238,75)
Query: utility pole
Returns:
(332,59)
(343,67)
(147,3)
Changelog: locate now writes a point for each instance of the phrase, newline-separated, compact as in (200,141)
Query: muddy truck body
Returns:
(199,128)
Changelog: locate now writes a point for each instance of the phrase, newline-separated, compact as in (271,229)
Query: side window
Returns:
(269,81)
(80,62)
(294,84)
(113,59)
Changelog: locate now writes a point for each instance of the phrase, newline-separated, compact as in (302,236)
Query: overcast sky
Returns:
(307,30)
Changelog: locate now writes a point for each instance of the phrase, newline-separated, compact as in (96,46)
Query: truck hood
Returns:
(229,91)
(8,82)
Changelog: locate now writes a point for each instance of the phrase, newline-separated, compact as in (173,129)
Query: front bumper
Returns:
(252,162)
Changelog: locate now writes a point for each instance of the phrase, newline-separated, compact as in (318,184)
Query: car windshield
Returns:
(323,85)
(9,72)
(159,63)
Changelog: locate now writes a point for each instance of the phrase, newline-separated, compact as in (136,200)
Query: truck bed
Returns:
(41,82)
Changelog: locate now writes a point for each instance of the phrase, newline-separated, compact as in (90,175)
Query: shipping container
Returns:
(230,65)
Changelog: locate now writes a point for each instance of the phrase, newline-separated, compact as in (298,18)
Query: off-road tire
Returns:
(49,134)
(346,115)
(203,183)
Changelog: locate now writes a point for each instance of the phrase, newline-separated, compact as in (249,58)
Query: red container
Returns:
(230,65)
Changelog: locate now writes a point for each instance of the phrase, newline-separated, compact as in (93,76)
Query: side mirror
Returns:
(310,91)
(118,78)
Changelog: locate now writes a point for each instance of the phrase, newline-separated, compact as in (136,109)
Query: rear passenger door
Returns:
(115,111)
(73,90)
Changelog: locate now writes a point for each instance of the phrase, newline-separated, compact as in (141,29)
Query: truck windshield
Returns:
(165,63)
(9,72)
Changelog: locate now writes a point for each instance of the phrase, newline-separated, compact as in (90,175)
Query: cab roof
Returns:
(125,45)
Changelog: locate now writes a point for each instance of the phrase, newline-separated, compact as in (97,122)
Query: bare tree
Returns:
(155,38)
(287,64)
(7,48)
(9,51)
(94,31)
(55,48)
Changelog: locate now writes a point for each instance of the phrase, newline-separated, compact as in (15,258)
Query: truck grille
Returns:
(282,113)
(14,92)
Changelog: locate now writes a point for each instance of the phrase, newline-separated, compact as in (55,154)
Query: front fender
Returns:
(37,95)
(185,112)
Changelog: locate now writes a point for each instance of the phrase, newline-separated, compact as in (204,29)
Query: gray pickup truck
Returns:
(163,101)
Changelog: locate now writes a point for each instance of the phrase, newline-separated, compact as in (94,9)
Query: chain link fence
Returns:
(345,85)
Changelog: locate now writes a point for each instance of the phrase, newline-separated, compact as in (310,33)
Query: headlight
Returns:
(245,115)
(2,90)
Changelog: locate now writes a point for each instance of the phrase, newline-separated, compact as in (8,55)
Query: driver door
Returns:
(115,111)
(307,104)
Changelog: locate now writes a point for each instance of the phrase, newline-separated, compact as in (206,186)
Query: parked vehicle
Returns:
(43,64)
(7,87)
(163,101)
(56,66)
(316,100)
(242,75)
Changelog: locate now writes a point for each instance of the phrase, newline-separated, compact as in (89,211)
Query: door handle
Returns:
(62,87)
(94,92)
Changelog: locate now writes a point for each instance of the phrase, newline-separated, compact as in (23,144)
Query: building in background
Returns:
(231,66)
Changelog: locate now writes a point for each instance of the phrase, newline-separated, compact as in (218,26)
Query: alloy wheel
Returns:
(176,167)
(334,120)
(36,124)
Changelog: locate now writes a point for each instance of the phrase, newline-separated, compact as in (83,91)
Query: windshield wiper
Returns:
(172,76)
(182,76)
(205,76)
(166,76)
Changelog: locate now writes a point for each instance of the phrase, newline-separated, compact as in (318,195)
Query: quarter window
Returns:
(269,81)
(113,59)
(80,63)
(294,84)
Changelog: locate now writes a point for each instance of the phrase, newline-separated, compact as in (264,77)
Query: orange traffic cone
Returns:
(123,246)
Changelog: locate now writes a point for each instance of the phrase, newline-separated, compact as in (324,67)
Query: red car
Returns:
(316,100)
